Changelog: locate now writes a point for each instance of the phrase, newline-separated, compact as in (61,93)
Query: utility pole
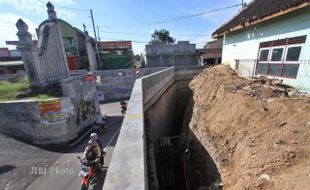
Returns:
(98,34)
(97,49)
(242,4)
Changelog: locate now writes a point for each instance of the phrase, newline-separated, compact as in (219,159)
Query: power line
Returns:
(175,18)
(69,8)
(134,41)
(143,42)
(133,33)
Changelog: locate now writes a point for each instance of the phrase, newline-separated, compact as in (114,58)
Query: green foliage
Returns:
(9,90)
(44,96)
(137,57)
(162,36)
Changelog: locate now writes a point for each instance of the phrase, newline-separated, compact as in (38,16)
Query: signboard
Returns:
(50,106)
(90,77)
(100,96)
(51,112)
(53,118)
(116,45)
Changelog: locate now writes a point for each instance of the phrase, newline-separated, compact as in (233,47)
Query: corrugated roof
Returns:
(258,10)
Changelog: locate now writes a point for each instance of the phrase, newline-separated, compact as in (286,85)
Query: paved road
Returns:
(62,173)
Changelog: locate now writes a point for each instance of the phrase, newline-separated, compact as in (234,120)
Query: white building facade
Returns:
(278,47)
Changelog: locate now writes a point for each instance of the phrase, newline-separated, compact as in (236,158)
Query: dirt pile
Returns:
(257,130)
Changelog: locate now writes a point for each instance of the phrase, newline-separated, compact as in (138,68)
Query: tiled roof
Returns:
(258,10)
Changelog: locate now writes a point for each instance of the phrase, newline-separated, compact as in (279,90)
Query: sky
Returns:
(133,20)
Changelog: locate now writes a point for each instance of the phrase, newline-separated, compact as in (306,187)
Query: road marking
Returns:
(110,141)
(134,116)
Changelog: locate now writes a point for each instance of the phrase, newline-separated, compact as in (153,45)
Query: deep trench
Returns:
(177,159)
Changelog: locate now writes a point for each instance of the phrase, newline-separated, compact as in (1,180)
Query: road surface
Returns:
(57,169)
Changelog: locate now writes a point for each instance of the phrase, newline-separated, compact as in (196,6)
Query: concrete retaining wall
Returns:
(152,103)
(43,122)
(118,84)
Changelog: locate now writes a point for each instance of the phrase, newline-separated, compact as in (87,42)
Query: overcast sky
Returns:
(123,19)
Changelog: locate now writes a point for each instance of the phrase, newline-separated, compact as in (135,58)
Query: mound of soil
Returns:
(256,130)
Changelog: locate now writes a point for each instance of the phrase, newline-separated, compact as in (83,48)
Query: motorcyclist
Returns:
(93,153)
(94,136)
(123,105)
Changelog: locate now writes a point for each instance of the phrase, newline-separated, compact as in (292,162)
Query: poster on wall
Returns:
(48,106)
(51,112)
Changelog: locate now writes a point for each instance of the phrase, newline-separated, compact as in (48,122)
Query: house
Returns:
(116,55)
(160,54)
(74,43)
(270,38)
(10,61)
(211,54)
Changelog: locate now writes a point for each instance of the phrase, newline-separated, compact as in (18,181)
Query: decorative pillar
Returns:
(30,55)
(91,55)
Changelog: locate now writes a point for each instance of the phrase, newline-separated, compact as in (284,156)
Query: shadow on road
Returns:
(113,123)
(101,179)
(6,168)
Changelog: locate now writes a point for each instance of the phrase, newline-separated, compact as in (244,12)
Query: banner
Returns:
(51,112)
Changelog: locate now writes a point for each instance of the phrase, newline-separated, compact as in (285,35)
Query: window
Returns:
(70,42)
(280,57)
(262,68)
(264,54)
(275,69)
(290,70)
(293,53)
(277,54)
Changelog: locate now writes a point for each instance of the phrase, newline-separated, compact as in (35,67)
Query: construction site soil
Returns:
(256,130)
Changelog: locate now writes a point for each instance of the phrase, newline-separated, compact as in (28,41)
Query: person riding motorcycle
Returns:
(94,136)
(123,106)
(93,153)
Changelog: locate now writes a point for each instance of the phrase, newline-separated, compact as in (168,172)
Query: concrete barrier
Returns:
(52,121)
(132,165)
(118,84)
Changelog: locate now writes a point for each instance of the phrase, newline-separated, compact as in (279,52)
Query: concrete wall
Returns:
(244,44)
(151,105)
(24,119)
(118,84)
(181,54)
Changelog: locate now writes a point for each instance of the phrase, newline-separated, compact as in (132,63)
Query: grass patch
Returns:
(44,96)
(9,90)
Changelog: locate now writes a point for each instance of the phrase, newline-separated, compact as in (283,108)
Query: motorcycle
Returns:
(87,173)
(101,124)
(123,107)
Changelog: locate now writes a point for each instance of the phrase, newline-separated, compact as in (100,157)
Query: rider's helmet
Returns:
(94,136)
(92,142)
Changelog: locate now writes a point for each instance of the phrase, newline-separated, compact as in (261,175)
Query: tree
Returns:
(162,36)
(137,57)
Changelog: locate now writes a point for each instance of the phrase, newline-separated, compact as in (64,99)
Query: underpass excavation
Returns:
(177,159)
(191,129)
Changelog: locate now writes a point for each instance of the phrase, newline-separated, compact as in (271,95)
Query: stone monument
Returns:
(91,55)
(46,63)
